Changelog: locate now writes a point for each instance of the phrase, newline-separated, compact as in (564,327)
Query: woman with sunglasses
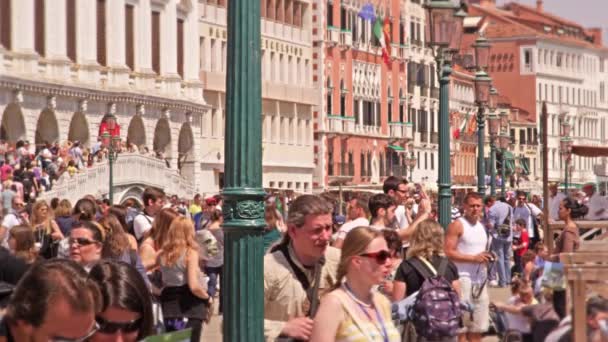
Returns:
(86,243)
(46,230)
(126,312)
(353,311)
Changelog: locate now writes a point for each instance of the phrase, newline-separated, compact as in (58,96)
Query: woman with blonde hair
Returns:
(426,250)
(149,248)
(353,311)
(63,216)
(21,243)
(184,295)
(46,230)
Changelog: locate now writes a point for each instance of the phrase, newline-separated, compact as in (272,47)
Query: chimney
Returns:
(596,33)
(539,5)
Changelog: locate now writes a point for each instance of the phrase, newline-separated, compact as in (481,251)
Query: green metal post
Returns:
(493,166)
(111,164)
(566,177)
(412,168)
(481,165)
(444,183)
(243,210)
(503,184)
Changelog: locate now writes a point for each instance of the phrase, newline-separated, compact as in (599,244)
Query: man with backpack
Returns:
(499,225)
(467,244)
(154,200)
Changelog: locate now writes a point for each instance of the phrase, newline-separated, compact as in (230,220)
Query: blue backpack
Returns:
(436,312)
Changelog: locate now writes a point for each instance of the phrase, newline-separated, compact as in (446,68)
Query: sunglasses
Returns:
(380,256)
(80,339)
(81,241)
(109,327)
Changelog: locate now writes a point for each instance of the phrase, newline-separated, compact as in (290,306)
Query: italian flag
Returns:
(382,31)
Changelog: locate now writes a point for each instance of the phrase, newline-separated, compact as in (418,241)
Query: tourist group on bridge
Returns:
(385,271)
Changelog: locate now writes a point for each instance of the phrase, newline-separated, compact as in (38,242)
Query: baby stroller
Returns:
(500,327)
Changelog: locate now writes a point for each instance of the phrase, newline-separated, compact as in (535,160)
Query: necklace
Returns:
(350,293)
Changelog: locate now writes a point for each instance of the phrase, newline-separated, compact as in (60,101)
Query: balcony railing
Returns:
(340,124)
(346,38)
(396,130)
(367,129)
(333,34)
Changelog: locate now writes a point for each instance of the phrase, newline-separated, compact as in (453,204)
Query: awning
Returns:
(571,185)
(396,148)
(590,151)
(524,165)
(509,161)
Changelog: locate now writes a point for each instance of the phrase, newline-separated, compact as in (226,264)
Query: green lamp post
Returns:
(410,162)
(494,128)
(445,22)
(504,141)
(565,146)
(112,143)
(482,96)
(243,209)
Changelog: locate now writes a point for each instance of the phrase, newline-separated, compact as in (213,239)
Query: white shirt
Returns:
(473,240)
(141,224)
(554,205)
(401,217)
(523,212)
(9,221)
(517,322)
(350,225)
(597,202)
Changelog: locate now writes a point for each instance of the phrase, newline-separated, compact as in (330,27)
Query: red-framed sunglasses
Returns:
(380,256)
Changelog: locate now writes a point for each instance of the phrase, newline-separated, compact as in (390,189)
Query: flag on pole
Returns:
(381,31)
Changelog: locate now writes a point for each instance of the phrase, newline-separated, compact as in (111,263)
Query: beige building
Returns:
(287,93)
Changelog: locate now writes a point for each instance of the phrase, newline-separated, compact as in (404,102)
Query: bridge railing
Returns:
(129,168)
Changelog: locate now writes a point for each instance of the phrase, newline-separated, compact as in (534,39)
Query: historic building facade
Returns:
(287,93)
(361,120)
(67,63)
(537,57)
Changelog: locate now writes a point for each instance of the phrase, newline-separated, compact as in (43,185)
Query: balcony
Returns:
(367,129)
(394,51)
(340,124)
(408,130)
(434,138)
(346,38)
(332,35)
(435,93)
(399,170)
(396,130)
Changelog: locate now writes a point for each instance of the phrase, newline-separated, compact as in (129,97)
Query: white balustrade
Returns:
(129,169)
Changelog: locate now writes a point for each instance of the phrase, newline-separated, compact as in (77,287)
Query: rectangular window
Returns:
(70,13)
(343,105)
(401,112)
(343,18)
(297,14)
(156,42)
(329,101)
(130,36)
(180,47)
(432,161)
(39,26)
(5,23)
(330,13)
(289,12)
(101,32)
(412,31)
(522,136)
(401,33)
(527,60)
(390,111)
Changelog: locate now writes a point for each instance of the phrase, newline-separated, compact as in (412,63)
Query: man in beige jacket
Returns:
(289,268)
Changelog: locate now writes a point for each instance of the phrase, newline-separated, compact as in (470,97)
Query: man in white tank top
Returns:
(466,244)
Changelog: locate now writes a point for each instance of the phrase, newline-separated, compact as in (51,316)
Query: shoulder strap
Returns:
(296,270)
(133,257)
(443,266)
(421,268)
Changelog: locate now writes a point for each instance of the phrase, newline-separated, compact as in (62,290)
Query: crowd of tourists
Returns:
(387,271)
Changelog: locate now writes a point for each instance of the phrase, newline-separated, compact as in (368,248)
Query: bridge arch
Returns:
(47,128)
(79,129)
(12,128)
(185,149)
(162,137)
(136,133)
(135,193)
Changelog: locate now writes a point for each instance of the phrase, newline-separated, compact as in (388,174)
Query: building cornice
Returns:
(101,95)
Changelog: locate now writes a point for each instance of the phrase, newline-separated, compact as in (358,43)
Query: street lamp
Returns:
(504,140)
(482,96)
(565,146)
(410,162)
(111,141)
(243,194)
(494,125)
(445,24)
